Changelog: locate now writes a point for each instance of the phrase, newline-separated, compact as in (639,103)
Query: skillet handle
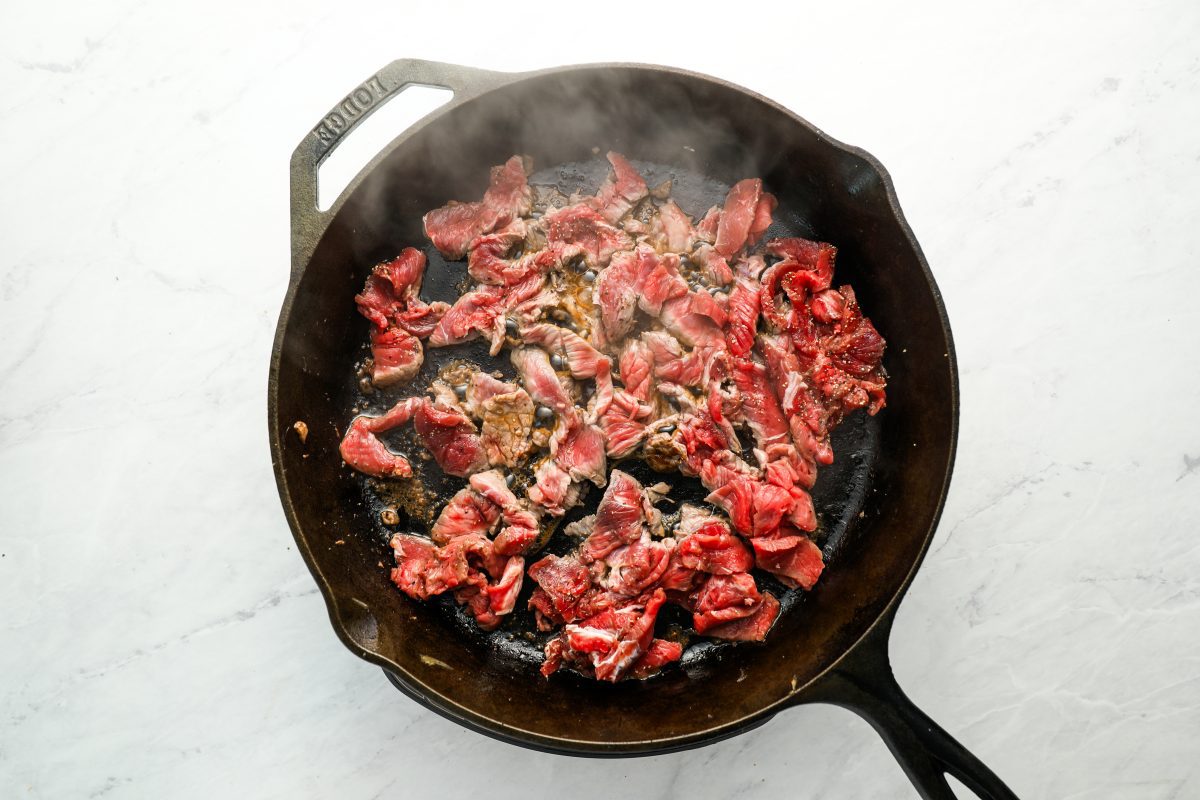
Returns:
(308,221)
(864,683)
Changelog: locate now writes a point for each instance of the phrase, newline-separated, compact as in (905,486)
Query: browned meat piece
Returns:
(506,427)
(673,229)
(505,412)
(580,231)
(396,356)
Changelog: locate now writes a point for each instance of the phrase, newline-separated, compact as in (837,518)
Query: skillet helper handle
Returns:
(308,221)
(864,683)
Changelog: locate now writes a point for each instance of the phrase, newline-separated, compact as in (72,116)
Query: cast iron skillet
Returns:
(831,645)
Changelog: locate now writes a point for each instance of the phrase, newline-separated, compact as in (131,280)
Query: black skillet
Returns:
(879,504)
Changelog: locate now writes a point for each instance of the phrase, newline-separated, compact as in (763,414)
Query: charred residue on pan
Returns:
(838,495)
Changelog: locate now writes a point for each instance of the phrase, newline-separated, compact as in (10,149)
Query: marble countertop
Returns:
(161,637)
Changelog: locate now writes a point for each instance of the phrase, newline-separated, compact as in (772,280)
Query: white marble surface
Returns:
(162,638)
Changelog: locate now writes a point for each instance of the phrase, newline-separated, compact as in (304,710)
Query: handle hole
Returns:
(960,791)
(372,135)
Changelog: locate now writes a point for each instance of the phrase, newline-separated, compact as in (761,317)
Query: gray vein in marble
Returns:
(1190,465)
(270,602)
(62,67)
(1005,492)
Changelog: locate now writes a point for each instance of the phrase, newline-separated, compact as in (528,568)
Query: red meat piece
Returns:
(695,319)
(611,642)
(713,266)
(453,227)
(618,517)
(762,217)
(811,262)
(639,278)
(739,216)
(616,293)
(480,310)
(580,450)
(583,360)
(502,595)
(760,407)
(660,653)
(743,317)
(390,286)
(715,550)
(422,571)
(467,513)
(520,527)
(723,598)
(658,280)
(636,367)
(540,379)
(389,300)
(794,559)
(565,592)
(553,489)
(420,318)
(750,628)
(450,436)
(362,449)
(706,228)
(636,567)
(855,346)
(487,260)
(621,191)
(624,424)
(807,418)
